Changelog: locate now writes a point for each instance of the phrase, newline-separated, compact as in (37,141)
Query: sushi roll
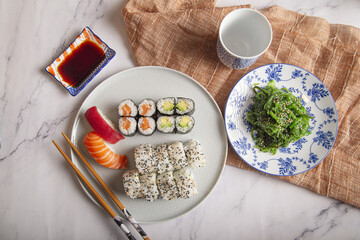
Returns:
(195,154)
(177,155)
(127,126)
(166,124)
(185,183)
(147,108)
(163,161)
(146,159)
(185,106)
(166,106)
(184,124)
(127,108)
(131,180)
(167,186)
(146,126)
(148,186)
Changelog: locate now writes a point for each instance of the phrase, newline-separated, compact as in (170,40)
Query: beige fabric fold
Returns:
(182,35)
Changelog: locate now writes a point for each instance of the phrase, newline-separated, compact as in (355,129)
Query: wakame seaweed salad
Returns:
(277,118)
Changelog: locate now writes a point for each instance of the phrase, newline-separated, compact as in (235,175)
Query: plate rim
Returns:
(76,120)
(262,171)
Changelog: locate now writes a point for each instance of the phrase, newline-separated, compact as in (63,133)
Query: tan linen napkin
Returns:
(182,35)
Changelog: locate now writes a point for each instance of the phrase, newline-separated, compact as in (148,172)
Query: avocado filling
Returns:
(168,106)
(182,105)
(165,122)
(184,121)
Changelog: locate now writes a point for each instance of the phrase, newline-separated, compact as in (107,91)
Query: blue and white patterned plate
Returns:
(300,156)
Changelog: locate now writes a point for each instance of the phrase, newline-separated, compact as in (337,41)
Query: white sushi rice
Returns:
(162,101)
(181,129)
(190,106)
(167,129)
(167,186)
(149,130)
(131,182)
(177,155)
(145,158)
(150,104)
(163,161)
(131,104)
(106,119)
(185,183)
(195,154)
(131,130)
(148,186)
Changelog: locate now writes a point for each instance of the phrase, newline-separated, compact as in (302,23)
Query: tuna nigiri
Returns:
(102,153)
(102,125)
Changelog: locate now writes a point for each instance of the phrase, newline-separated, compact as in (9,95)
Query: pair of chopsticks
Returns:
(116,218)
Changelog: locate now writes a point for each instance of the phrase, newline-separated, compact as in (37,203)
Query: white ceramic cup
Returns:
(244,35)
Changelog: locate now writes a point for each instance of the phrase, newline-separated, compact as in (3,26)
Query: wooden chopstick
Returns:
(108,190)
(116,218)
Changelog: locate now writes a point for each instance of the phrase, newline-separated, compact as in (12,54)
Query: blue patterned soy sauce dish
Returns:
(244,35)
(297,157)
(81,61)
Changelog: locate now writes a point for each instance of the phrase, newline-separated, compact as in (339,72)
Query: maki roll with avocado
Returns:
(146,126)
(147,108)
(184,124)
(185,106)
(127,108)
(166,106)
(166,124)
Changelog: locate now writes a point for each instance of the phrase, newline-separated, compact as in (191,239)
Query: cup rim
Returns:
(251,10)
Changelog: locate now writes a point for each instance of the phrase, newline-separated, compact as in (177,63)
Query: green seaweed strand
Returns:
(277,118)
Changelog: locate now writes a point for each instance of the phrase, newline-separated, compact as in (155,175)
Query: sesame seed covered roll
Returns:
(148,186)
(177,155)
(131,182)
(185,183)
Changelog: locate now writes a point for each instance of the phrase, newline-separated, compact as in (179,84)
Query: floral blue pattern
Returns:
(231,61)
(286,166)
(242,145)
(324,139)
(313,158)
(329,111)
(274,72)
(299,156)
(238,99)
(296,73)
(263,165)
(317,92)
(231,125)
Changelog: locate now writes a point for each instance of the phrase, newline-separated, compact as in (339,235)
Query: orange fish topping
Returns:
(126,110)
(125,124)
(145,108)
(145,124)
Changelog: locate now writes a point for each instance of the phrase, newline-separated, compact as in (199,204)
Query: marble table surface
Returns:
(40,196)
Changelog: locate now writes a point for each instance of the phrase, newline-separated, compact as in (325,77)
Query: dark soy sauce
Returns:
(81,62)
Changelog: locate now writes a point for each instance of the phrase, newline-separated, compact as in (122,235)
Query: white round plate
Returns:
(155,83)
(300,156)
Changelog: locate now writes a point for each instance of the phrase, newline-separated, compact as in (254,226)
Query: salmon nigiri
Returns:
(102,153)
